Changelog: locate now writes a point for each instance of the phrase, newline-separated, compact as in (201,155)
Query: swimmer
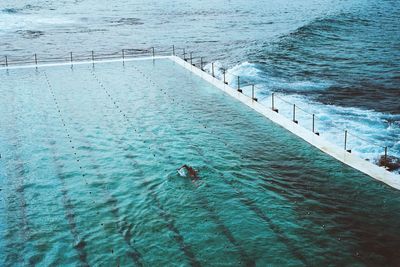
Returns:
(192,173)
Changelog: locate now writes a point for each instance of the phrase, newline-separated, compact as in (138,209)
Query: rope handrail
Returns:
(188,55)
(314,116)
(330,123)
(287,102)
(334,126)
(365,140)
(78,56)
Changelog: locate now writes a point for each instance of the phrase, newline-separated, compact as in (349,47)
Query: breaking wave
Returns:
(369,130)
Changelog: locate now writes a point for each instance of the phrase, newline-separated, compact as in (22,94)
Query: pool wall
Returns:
(376,172)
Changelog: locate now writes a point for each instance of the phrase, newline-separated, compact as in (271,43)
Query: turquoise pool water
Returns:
(88,177)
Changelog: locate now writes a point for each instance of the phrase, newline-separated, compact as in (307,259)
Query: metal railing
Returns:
(72,57)
(278,104)
(299,115)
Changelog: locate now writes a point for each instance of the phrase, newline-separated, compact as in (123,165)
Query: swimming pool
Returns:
(88,168)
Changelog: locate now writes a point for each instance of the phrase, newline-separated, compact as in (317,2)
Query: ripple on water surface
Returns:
(88,176)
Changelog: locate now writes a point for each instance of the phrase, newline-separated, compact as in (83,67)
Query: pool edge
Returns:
(83,62)
(366,167)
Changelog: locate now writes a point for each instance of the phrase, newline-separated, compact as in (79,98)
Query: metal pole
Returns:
(92,56)
(345,140)
(252,93)
(184,54)
(6,61)
(35,59)
(191,58)
(386,156)
(294,114)
(123,54)
(173,50)
(224,77)
(238,86)
(212,69)
(313,123)
(201,63)
(273,107)
(152,50)
(273,103)
(70,57)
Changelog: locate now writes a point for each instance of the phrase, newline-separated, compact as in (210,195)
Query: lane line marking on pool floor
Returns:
(169,223)
(247,202)
(124,227)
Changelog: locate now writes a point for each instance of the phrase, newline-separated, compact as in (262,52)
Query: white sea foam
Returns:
(18,22)
(368,131)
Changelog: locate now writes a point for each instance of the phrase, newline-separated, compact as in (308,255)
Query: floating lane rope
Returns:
(80,243)
(224,230)
(186,248)
(123,227)
(247,260)
(246,201)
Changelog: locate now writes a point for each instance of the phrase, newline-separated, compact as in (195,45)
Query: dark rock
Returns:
(391,163)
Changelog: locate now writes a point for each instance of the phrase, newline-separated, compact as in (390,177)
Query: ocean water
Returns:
(339,59)
(88,177)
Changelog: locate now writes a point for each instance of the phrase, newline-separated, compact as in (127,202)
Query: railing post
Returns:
(6,61)
(212,69)
(224,77)
(184,54)
(252,93)
(173,50)
(345,142)
(123,54)
(70,58)
(35,59)
(92,56)
(273,103)
(294,114)
(313,125)
(273,106)
(152,50)
(238,85)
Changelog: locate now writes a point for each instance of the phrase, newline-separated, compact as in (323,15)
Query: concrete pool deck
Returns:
(376,172)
